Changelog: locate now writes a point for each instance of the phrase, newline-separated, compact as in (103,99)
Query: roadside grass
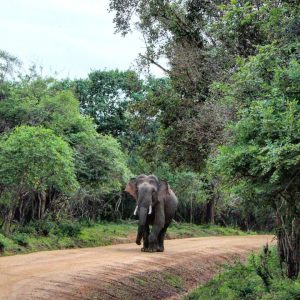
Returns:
(183,230)
(259,278)
(173,280)
(48,235)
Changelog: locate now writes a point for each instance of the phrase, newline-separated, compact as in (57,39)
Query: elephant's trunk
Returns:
(142,221)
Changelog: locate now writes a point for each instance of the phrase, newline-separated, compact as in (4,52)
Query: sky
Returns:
(69,37)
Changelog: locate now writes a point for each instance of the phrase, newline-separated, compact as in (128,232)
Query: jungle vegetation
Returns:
(222,127)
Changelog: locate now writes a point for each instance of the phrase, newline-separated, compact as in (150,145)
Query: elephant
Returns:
(156,206)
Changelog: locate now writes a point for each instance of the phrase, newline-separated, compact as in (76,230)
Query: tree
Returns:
(178,31)
(202,41)
(261,162)
(8,63)
(102,171)
(36,168)
(262,166)
(105,96)
(183,33)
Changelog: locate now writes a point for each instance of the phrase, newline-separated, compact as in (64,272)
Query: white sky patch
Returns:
(71,37)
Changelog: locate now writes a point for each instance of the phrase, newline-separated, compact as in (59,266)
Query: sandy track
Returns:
(96,273)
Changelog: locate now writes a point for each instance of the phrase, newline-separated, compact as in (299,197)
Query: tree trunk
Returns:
(8,221)
(39,206)
(210,211)
(288,235)
(191,210)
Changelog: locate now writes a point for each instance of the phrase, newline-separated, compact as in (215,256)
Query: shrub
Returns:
(260,278)
(87,222)
(21,239)
(28,229)
(69,229)
(44,227)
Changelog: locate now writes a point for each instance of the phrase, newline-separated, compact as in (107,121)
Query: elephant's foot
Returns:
(152,248)
(149,249)
(160,249)
(146,250)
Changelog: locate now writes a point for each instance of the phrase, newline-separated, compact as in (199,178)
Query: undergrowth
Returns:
(48,235)
(260,278)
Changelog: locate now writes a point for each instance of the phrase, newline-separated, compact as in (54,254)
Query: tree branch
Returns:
(155,63)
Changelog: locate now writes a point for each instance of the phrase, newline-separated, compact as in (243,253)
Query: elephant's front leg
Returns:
(153,237)
(146,238)
(161,238)
(158,225)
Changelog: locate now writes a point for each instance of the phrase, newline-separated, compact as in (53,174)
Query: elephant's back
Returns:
(172,198)
(171,203)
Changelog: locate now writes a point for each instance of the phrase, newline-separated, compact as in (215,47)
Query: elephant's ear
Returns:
(164,190)
(131,188)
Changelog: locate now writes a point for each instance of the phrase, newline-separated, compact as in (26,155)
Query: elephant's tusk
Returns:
(135,211)
(150,210)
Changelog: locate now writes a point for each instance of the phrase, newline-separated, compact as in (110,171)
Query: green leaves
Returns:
(266,146)
(51,155)
(100,162)
(259,163)
(34,159)
(105,96)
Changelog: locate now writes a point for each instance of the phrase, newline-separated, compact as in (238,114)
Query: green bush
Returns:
(7,244)
(69,229)
(28,229)
(87,222)
(21,239)
(44,227)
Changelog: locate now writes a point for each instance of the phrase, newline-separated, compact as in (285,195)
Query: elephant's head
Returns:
(148,191)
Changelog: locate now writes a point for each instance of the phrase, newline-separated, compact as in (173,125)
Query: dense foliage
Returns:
(260,163)
(54,164)
(105,96)
(36,165)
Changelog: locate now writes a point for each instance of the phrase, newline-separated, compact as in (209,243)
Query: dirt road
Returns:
(120,271)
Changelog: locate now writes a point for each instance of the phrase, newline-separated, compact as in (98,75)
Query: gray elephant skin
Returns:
(156,206)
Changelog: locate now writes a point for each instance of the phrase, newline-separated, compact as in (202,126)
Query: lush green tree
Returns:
(22,98)
(261,161)
(105,95)
(262,164)
(8,66)
(102,171)
(36,166)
